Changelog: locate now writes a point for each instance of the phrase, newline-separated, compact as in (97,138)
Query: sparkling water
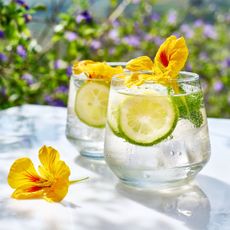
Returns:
(88,140)
(176,159)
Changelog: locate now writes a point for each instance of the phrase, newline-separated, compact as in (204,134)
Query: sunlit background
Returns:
(40,39)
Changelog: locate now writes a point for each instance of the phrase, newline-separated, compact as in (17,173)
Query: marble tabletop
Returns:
(103,203)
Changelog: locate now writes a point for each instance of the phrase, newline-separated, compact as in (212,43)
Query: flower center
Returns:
(164,59)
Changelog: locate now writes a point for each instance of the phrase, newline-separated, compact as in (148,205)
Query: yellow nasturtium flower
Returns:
(51,183)
(99,70)
(140,63)
(171,56)
(169,60)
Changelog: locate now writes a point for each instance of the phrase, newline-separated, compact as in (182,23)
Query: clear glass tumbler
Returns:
(86,113)
(157,134)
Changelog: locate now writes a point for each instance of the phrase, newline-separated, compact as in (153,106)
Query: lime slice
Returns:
(115,100)
(113,119)
(148,119)
(91,103)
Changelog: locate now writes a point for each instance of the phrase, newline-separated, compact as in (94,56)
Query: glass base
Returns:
(158,179)
(166,185)
(90,149)
(91,152)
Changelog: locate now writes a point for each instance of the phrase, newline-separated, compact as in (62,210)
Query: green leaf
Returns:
(40,7)
(189,107)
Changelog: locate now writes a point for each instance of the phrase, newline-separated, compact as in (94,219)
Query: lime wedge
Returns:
(91,103)
(147,119)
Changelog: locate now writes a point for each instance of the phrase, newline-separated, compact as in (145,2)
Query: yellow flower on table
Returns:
(99,70)
(51,183)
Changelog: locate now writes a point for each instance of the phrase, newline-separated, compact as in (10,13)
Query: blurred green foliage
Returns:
(36,69)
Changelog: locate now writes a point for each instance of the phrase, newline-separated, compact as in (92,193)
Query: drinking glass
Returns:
(86,113)
(156,133)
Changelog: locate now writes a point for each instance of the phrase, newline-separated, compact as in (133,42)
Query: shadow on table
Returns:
(25,127)
(199,207)
(97,166)
(15,133)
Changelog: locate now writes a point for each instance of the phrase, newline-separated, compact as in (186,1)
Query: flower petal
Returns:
(57,191)
(99,70)
(49,158)
(28,192)
(52,167)
(78,67)
(140,63)
(23,172)
(171,56)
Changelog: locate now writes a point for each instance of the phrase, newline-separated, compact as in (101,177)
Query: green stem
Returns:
(186,105)
(76,181)
(177,91)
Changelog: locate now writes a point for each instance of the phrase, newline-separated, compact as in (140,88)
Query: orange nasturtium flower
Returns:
(51,183)
(169,60)
(99,70)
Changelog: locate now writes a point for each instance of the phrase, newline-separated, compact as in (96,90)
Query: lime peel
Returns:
(140,127)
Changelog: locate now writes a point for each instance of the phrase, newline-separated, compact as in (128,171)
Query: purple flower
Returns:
(70,36)
(3,57)
(176,34)
(189,66)
(155,17)
(55,102)
(95,44)
(28,78)
(203,56)
(112,51)
(198,23)
(148,37)
(84,16)
(59,64)
(21,51)
(22,3)
(62,89)
(115,23)
(48,99)
(227,18)
(136,1)
(209,31)
(172,17)
(3,91)
(226,63)
(132,40)
(27,17)
(2,34)
(158,40)
(114,35)
(218,86)
(69,71)
(187,31)
(58,102)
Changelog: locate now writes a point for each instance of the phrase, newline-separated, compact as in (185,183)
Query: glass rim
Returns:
(117,63)
(188,76)
(83,77)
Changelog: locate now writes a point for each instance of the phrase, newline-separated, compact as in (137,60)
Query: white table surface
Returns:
(102,203)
